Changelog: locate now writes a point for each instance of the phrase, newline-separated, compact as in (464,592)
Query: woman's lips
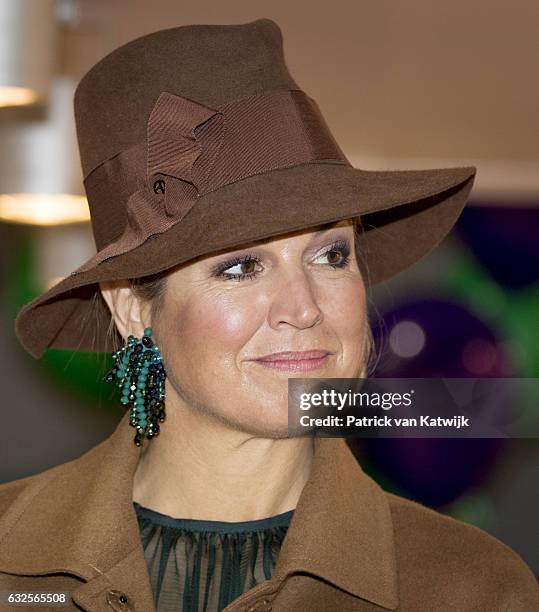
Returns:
(292,361)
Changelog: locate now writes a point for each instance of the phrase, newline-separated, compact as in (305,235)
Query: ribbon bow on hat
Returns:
(175,143)
(172,184)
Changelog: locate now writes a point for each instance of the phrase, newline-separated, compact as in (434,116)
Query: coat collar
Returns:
(78,518)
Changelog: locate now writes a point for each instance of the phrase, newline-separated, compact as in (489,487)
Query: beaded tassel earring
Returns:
(139,372)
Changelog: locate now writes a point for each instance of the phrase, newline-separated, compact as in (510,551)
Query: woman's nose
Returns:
(295,302)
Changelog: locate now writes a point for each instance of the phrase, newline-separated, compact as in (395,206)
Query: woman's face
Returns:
(221,314)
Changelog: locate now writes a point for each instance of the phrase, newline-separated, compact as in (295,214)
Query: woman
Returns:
(233,234)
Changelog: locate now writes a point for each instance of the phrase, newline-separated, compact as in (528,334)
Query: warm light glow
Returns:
(51,282)
(17,96)
(43,209)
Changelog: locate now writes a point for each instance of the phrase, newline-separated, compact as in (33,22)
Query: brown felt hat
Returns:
(196,139)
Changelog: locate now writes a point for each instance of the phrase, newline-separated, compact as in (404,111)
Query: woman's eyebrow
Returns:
(253,243)
(323,228)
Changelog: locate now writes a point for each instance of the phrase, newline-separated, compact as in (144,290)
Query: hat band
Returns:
(191,150)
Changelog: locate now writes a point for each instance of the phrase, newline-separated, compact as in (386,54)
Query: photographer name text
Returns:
(455,422)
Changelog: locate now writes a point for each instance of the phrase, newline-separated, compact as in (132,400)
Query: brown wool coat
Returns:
(350,546)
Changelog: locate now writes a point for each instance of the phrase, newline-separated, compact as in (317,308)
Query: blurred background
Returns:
(420,84)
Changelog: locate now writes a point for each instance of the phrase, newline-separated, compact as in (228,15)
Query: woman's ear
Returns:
(125,308)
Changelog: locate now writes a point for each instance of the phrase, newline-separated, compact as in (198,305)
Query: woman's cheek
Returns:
(352,315)
(219,320)
(345,300)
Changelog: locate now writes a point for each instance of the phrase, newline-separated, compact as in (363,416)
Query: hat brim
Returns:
(404,213)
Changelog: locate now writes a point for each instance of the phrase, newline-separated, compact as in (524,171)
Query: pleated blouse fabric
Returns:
(201,566)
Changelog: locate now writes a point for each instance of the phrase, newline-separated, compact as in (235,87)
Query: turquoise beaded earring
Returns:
(139,372)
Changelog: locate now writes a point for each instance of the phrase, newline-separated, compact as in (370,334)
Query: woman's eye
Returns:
(246,267)
(238,268)
(334,257)
(337,256)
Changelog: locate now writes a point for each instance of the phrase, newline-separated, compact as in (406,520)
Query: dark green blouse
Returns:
(201,566)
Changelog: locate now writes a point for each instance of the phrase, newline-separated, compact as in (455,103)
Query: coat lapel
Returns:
(78,518)
(341,529)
